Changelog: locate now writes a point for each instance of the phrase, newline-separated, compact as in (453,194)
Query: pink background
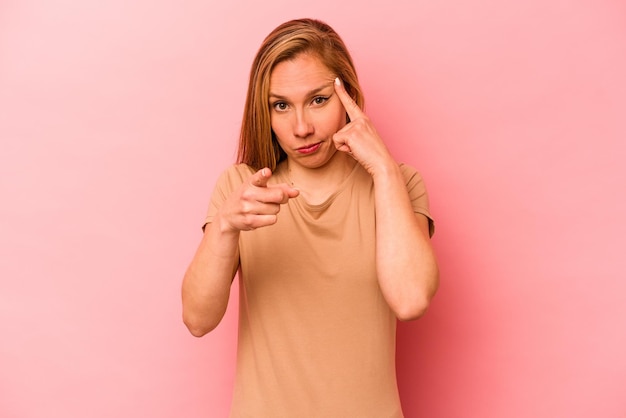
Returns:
(116,117)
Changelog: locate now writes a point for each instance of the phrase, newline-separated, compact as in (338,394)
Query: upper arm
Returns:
(418,195)
(425,223)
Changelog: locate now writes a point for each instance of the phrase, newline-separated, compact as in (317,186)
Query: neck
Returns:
(316,184)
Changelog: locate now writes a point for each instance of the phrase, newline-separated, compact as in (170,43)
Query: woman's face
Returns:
(305,110)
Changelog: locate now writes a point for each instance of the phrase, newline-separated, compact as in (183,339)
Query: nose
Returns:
(303,125)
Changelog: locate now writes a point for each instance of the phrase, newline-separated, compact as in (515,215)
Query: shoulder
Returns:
(412,178)
(230,179)
(417,193)
(235,174)
(238,170)
(409,173)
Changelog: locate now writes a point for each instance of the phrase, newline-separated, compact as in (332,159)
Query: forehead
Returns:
(299,75)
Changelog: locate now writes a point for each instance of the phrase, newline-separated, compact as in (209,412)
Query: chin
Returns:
(322,161)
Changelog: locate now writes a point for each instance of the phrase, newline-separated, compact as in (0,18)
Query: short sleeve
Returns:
(226,184)
(417,194)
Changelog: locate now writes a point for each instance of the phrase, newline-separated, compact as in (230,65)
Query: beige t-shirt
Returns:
(316,336)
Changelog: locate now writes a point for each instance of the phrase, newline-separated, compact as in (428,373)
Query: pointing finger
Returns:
(288,192)
(261,177)
(278,193)
(353,110)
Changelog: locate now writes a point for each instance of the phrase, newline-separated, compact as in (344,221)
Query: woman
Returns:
(331,238)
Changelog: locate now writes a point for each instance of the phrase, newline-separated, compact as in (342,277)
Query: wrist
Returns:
(223,226)
(388,171)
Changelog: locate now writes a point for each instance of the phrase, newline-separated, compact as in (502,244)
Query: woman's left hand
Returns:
(359,137)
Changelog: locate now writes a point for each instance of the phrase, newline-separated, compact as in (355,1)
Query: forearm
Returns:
(407,269)
(206,285)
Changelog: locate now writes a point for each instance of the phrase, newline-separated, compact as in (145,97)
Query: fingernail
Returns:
(337,82)
(264,173)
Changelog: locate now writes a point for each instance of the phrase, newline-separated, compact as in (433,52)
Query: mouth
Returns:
(308,149)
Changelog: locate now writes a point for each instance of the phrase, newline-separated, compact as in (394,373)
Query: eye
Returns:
(320,100)
(279,106)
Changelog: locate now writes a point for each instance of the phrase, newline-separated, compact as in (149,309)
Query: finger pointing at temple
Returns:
(359,137)
(353,109)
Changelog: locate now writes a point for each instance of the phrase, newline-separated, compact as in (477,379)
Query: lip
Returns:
(308,149)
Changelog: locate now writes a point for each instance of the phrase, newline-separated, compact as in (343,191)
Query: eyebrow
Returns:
(309,94)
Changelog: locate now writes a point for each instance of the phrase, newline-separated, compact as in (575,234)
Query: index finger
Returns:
(353,110)
(260,178)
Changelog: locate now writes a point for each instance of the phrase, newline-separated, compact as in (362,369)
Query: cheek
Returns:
(338,119)
(278,127)
(333,119)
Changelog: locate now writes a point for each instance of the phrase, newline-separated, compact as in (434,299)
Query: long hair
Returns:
(258,146)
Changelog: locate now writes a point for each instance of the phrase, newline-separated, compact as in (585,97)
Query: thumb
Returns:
(290,191)
(261,177)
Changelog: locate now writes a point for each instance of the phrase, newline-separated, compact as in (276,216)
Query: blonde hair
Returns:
(258,147)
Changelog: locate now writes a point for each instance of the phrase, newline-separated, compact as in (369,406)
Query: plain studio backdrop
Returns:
(116,118)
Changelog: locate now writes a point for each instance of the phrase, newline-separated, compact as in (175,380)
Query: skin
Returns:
(308,109)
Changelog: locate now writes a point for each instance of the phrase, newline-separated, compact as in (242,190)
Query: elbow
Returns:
(198,331)
(198,328)
(412,311)
(415,306)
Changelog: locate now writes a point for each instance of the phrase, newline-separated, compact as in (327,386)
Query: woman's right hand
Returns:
(254,204)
